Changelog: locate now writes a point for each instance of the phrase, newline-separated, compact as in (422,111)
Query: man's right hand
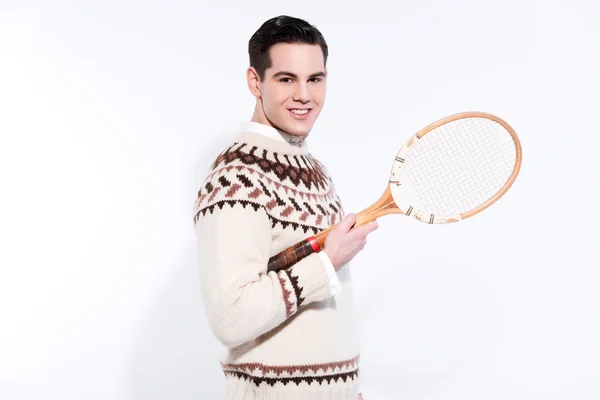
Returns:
(343,242)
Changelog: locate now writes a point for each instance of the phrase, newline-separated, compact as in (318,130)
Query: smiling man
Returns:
(290,334)
(289,85)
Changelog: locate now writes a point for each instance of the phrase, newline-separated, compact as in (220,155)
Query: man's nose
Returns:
(302,93)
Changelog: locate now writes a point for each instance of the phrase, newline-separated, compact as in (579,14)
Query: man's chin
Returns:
(299,129)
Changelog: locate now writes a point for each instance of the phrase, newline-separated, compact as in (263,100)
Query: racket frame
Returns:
(397,179)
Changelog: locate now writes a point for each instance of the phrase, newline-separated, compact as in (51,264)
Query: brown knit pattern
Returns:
(260,373)
(297,169)
(257,380)
(294,190)
(291,292)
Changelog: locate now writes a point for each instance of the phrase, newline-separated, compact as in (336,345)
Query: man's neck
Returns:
(289,138)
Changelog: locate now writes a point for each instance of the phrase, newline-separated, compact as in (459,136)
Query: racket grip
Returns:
(293,254)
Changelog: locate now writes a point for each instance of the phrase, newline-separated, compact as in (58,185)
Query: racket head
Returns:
(455,168)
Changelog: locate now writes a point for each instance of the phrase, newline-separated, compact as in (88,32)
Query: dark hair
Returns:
(281,29)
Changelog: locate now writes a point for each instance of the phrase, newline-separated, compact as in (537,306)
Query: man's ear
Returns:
(253,81)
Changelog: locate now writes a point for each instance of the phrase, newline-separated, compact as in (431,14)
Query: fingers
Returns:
(346,241)
(347,223)
(364,230)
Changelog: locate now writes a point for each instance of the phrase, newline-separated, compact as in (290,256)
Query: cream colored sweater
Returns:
(292,334)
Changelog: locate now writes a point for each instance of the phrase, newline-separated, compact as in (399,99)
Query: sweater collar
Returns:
(271,132)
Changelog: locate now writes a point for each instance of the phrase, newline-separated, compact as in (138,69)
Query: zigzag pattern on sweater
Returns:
(304,169)
(292,292)
(329,379)
(287,206)
(272,374)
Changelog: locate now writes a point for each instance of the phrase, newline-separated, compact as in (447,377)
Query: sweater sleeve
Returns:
(242,300)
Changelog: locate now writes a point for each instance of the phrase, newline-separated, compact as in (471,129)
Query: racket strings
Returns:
(460,165)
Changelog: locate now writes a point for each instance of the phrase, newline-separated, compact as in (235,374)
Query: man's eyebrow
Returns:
(319,74)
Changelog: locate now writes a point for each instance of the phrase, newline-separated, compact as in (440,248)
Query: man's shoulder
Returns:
(232,180)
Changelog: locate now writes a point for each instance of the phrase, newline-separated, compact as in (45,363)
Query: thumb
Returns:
(347,223)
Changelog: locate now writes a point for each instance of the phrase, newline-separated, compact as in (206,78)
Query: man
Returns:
(291,334)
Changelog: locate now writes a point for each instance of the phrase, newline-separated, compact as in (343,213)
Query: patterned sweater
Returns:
(290,334)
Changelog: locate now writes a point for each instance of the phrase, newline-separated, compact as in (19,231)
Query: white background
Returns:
(111,111)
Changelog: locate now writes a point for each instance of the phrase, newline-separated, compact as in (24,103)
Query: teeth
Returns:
(299,112)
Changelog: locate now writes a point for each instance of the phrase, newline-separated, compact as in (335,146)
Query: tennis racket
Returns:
(447,172)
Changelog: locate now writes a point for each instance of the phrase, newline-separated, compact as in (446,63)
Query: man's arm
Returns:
(241,300)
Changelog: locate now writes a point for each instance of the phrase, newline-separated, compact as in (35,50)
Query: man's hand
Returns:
(343,243)
(360,397)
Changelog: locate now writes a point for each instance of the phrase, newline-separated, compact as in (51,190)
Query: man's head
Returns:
(287,74)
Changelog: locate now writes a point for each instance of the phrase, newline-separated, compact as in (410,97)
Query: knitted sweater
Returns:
(290,334)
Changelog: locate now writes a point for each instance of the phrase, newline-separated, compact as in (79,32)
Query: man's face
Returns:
(293,90)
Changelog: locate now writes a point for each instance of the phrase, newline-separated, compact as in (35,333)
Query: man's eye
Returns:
(285,80)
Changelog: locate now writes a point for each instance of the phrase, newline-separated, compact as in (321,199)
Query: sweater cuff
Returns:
(334,282)
(308,282)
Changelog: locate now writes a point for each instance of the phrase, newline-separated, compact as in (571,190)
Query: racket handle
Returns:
(293,254)
(313,244)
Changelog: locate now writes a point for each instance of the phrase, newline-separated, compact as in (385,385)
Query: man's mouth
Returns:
(300,114)
(300,111)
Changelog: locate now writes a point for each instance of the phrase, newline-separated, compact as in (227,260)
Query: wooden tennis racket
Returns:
(449,171)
